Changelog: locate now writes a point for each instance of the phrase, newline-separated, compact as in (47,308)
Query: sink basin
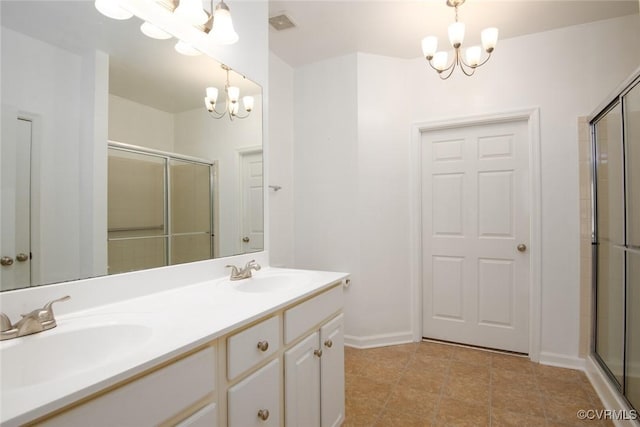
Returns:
(275,282)
(45,357)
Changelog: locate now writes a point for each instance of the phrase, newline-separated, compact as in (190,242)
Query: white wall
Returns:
(138,124)
(351,173)
(57,88)
(281,162)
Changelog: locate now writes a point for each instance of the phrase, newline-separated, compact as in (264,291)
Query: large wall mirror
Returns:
(109,160)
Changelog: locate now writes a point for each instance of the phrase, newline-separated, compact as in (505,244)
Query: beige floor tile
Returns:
(472,356)
(468,389)
(503,418)
(435,349)
(392,418)
(456,413)
(509,363)
(413,401)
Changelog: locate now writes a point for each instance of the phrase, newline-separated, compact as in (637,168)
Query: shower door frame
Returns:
(167,157)
(615,99)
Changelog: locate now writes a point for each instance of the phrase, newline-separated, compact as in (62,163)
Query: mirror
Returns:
(109,160)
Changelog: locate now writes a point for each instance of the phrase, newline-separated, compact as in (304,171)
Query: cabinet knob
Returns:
(6,261)
(328,343)
(318,352)
(22,257)
(263,414)
(263,346)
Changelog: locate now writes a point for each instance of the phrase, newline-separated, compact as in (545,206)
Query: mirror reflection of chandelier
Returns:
(232,102)
(472,60)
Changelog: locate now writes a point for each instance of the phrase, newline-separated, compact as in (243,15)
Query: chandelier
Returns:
(232,104)
(217,24)
(472,60)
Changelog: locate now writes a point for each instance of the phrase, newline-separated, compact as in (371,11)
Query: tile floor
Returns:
(433,384)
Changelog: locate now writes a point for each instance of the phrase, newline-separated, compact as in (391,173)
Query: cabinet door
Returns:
(255,401)
(332,372)
(302,383)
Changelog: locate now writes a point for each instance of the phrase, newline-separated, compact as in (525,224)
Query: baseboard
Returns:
(382,340)
(562,361)
(609,396)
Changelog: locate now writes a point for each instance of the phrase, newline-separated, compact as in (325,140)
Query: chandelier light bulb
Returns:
(489,38)
(429,46)
(192,12)
(473,56)
(248,103)
(212,94)
(111,9)
(234,94)
(150,30)
(222,31)
(456,34)
(234,108)
(440,60)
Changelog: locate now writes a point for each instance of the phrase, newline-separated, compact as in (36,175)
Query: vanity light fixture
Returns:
(218,24)
(186,49)
(232,106)
(112,9)
(438,60)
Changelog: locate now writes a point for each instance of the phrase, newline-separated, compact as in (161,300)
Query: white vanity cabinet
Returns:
(314,367)
(170,392)
(255,401)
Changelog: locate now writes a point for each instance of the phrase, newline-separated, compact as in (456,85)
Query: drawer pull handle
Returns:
(263,346)
(318,352)
(263,414)
(328,343)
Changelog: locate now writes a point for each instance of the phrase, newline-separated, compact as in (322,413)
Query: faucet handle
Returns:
(5,323)
(46,313)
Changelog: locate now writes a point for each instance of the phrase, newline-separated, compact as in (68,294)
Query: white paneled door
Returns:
(475,233)
(252,202)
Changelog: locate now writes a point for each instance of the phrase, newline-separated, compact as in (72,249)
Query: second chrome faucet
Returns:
(36,321)
(243,273)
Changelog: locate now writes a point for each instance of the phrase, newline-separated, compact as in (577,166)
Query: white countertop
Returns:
(178,320)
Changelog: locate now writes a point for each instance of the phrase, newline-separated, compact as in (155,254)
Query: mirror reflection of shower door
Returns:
(136,211)
(252,204)
(15,236)
(159,209)
(190,211)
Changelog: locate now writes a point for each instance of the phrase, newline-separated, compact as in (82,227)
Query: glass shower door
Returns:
(610,238)
(632,141)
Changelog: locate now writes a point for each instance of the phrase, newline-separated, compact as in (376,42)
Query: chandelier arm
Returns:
(485,61)
(215,114)
(465,67)
(452,68)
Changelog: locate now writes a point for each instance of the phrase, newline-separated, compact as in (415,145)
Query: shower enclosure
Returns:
(616,240)
(160,209)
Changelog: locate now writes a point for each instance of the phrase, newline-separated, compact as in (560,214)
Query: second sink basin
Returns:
(63,352)
(271,282)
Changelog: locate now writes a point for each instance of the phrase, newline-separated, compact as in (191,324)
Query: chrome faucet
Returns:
(243,273)
(36,321)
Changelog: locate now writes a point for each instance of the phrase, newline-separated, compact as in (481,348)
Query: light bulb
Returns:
(234,93)
(489,38)
(233,108)
(440,60)
(208,105)
(248,102)
(192,12)
(112,9)
(154,32)
(456,34)
(429,46)
(212,94)
(222,31)
(186,49)
(473,55)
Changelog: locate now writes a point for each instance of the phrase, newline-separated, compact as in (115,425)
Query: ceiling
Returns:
(141,69)
(326,29)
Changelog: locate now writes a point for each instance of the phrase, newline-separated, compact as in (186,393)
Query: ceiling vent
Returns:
(281,22)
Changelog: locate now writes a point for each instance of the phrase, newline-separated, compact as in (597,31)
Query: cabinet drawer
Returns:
(251,346)
(205,417)
(301,318)
(255,401)
(149,400)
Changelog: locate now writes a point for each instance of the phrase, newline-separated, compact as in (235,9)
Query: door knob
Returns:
(522,247)
(22,257)
(245,239)
(6,260)
(263,414)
